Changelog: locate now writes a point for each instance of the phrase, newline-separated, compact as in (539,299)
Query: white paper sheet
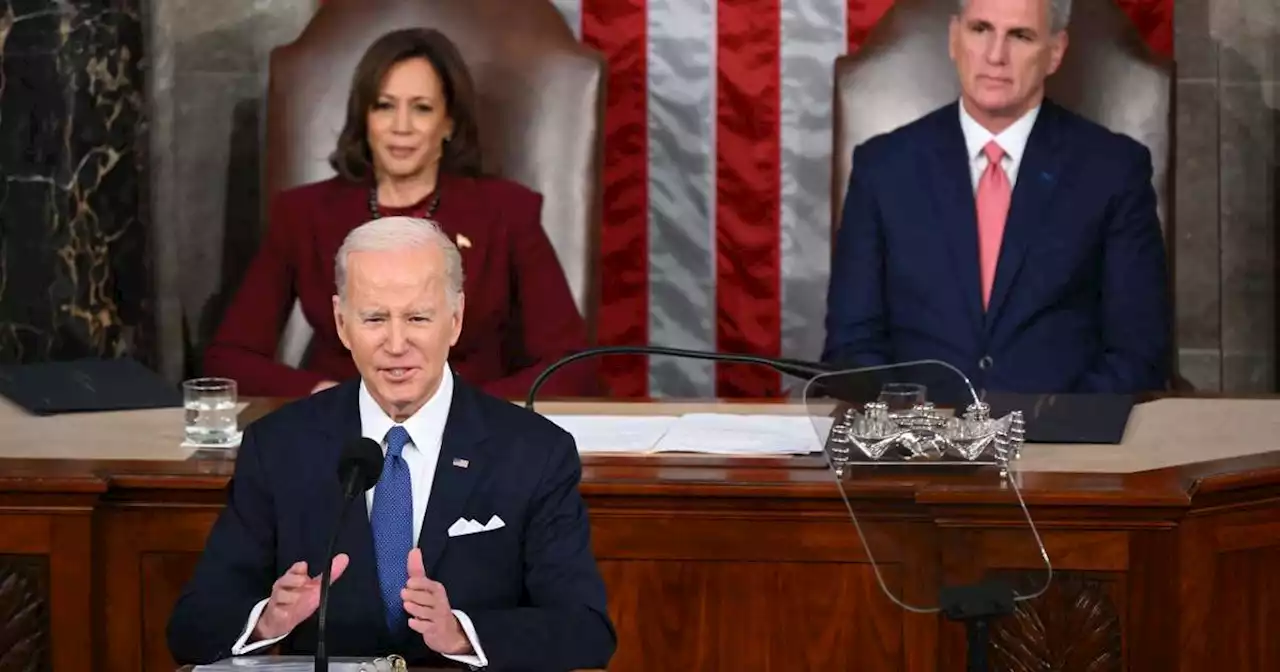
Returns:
(705,433)
(614,433)
(730,434)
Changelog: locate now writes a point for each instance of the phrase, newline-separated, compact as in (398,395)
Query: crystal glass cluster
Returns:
(392,663)
(924,434)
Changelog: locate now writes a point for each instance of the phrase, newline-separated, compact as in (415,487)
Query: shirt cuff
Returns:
(241,647)
(477,660)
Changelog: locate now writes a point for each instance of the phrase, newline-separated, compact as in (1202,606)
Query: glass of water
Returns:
(211,411)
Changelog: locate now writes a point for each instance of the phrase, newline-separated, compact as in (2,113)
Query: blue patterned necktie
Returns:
(392,522)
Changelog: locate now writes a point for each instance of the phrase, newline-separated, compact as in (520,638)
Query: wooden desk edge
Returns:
(786,478)
(191,668)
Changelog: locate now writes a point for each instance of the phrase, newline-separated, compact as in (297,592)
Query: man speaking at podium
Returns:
(1003,233)
(474,548)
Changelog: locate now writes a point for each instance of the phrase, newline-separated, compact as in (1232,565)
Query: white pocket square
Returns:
(464,526)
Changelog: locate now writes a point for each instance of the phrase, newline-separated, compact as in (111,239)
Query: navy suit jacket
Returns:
(531,588)
(1080,298)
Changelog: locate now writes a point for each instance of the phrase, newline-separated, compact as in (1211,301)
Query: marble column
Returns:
(74,253)
(208,72)
(1228,193)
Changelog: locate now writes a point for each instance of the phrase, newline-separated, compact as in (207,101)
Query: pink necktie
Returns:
(994,195)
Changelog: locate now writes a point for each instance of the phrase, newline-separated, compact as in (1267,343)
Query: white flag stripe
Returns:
(681,123)
(681,107)
(813,36)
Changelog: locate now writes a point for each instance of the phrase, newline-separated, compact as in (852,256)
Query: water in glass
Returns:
(211,410)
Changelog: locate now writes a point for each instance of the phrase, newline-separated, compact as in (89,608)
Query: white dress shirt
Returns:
(426,430)
(1013,140)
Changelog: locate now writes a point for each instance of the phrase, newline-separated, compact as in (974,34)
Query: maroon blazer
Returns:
(519,318)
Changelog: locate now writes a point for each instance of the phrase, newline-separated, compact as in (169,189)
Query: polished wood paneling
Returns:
(1245,593)
(72,587)
(747,616)
(47,584)
(1077,624)
(149,551)
(1154,608)
(164,574)
(753,564)
(24,613)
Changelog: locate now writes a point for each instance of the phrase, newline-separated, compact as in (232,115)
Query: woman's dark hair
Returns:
(352,158)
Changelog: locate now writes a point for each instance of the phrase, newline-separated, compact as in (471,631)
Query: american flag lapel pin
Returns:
(463,242)
(461,463)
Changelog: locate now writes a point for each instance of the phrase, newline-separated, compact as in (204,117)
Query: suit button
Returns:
(985,363)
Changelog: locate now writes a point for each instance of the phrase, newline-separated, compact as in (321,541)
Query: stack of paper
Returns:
(615,433)
(708,433)
(729,434)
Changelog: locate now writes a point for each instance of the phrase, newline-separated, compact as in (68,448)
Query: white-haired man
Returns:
(1002,233)
(518,588)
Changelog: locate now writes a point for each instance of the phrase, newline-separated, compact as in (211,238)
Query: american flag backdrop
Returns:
(717,178)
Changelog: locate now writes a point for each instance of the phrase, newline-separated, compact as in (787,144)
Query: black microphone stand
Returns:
(976,605)
(348,495)
(790,367)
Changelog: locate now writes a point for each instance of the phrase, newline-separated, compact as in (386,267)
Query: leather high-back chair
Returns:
(540,113)
(1108,75)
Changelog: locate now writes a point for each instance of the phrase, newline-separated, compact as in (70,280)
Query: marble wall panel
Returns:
(75,252)
(1228,60)
(206,95)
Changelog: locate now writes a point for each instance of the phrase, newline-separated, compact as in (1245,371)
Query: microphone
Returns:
(791,367)
(359,469)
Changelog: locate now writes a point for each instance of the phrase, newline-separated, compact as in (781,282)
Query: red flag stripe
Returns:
(618,29)
(747,154)
(748,266)
(1154,20)
(860,17)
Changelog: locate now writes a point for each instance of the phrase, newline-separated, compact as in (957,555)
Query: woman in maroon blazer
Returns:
(409,147)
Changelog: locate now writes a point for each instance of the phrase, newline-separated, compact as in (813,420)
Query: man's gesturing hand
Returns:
(294,597)
(429,612)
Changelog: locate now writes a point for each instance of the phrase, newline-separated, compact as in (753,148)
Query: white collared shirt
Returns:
(1013,140)
(426,432)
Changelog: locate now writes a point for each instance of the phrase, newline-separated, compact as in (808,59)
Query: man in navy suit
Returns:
(474,546)
(1004,234)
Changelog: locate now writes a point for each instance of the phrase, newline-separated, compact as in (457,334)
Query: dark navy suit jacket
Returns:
(1080,299)
(531,588)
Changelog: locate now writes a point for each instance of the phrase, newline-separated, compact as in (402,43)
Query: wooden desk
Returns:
(191,668)
(734,564)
